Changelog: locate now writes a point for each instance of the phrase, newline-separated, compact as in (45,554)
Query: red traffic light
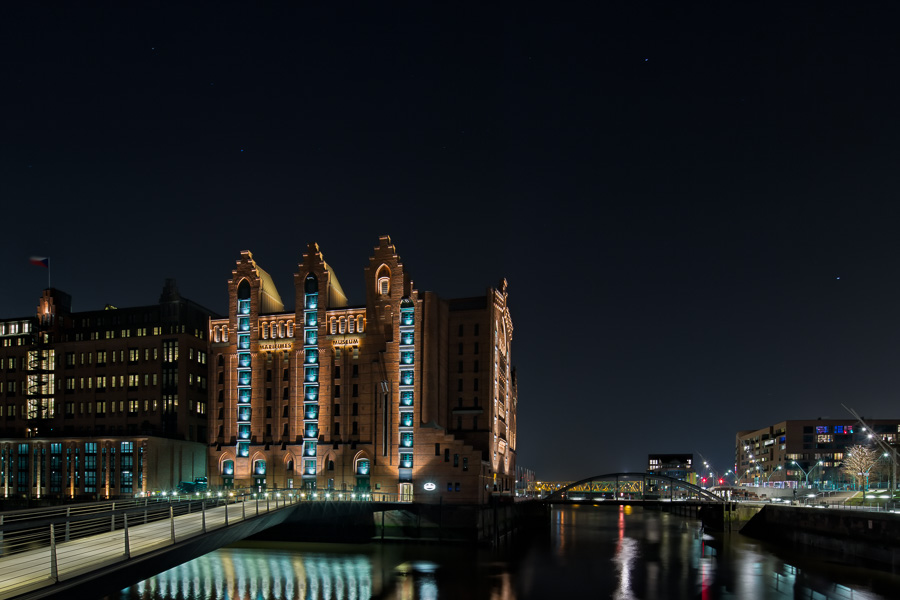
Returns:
(703,480)
(721,481)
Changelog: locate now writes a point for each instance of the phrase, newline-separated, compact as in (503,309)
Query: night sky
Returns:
(696,211)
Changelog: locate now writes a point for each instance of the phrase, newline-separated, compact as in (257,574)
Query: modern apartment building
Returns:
(407,395)
(795,452)
(103,403)
(677,466)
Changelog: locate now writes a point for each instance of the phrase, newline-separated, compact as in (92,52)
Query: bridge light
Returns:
(721,481)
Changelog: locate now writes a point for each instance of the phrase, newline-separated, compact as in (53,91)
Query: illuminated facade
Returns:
(103,403)
(407,396)
(786,452)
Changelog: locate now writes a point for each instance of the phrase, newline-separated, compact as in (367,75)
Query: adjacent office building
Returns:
(795,452)
(103,403)
(408,395)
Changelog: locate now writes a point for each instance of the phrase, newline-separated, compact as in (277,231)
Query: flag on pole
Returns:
(40,261)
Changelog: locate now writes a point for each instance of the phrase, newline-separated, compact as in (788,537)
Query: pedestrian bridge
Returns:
(634,487)
(48,552)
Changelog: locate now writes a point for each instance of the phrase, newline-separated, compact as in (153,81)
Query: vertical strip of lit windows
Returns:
(407,377)
(244,371)
(310,379)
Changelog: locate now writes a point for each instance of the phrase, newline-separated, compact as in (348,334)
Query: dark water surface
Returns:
(590,552)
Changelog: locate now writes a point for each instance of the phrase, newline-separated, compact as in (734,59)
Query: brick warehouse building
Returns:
(103,403)
(407,396)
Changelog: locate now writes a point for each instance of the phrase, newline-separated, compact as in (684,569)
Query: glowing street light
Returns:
(778,468)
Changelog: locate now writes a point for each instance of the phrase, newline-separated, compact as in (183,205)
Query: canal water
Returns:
(590,552)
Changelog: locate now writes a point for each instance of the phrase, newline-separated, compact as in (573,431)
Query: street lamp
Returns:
(769,478)
(805,472)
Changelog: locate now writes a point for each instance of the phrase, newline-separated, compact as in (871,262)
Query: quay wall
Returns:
(856,536)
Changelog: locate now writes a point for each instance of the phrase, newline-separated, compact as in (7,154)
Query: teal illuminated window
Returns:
(244,431)
(244,414)
(311,374)
(311,319)
(312,301)
(362,467)
(243,449)
(407,338)
(243,323)
(244,395)
(244,307)
(244,377)
(243,359)
(312,356)
(312,411)
(406,377)
(244,341)
(406,440)
(406,461)
(309,467)
(311,336)
(311,393)
(309,449)
(406,419)
(228,467)
(312,430)
(406,358)
(259,467)
(406,398)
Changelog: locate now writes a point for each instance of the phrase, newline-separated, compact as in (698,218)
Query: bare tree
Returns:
(858,461)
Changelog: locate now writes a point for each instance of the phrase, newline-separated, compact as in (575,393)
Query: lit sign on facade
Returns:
(429,487)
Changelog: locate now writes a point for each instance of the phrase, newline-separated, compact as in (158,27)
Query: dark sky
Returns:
(696,211)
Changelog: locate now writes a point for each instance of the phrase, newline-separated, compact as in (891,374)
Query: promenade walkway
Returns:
(46,554)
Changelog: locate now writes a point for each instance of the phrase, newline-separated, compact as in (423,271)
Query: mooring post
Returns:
(172,521)
(54,566)
(203,516)
(226,512)
(68,514)
(125,528)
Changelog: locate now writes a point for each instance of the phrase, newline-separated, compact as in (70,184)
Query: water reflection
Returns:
(599,552)
(238,574)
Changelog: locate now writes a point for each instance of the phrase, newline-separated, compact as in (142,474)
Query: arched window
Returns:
(281,330)
(225,333)
(350,322)
(243,292)
(333,326)
(359,324)
(362,466)
(259,467)
(216,333)
(228,468)
(272,331)
(264,331)
(331,465)
(383,281)
(290,329)
(311,285)
(342,325)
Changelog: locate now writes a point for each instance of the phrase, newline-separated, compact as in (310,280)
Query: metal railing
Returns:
(48,546)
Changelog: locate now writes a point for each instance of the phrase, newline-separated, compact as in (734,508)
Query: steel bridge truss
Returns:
(640,486)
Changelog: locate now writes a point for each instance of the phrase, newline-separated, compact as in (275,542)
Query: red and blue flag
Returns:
(40,261)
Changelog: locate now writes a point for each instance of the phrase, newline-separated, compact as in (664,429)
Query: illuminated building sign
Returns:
(345,340)
(275,345)
(429,487)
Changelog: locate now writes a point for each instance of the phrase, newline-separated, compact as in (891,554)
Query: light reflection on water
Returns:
(614,552)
